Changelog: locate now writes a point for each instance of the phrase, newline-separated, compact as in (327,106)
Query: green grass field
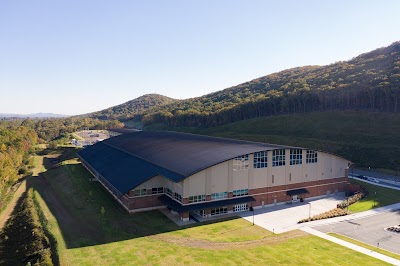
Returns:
(378,197)
(361,244)
(369,139)
(85,236)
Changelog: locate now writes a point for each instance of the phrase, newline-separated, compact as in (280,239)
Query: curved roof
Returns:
(128,160)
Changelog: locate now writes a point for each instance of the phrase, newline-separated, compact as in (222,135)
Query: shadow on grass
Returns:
(77,204)
(23,240)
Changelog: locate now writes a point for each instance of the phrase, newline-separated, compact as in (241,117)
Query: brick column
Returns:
(185,216)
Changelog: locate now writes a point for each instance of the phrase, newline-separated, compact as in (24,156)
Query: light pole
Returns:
(309,210)
(253,215)
(375,199)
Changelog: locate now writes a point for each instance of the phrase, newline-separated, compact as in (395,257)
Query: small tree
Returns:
(102,211)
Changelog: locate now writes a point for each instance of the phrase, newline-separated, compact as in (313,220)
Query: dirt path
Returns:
(204,244)
(11,205)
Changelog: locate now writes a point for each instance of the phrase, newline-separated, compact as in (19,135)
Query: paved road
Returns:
(375,174)
(369,230)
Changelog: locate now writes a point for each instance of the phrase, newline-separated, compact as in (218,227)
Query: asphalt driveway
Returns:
(369,230)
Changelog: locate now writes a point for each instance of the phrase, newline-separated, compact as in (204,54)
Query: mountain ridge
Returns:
(33,115)
(368,81)
(131,107)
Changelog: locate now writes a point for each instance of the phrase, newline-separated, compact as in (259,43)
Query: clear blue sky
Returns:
(74,57)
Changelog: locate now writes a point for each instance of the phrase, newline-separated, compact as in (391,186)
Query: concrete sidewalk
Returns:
(352,246)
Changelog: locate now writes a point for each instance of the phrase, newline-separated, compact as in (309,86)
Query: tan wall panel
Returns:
(195,184)
(310,171)
(296,172)
(279,173)
(219,177)
(260,177)
(178,188)
(324,165)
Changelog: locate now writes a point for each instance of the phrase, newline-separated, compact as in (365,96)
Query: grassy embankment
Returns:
(23,240)
(366,138)
(383,197)
(361,244)
(86,236)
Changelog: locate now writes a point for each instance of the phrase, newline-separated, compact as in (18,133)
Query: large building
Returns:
(208,176)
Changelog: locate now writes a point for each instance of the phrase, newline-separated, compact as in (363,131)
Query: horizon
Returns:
(75,58)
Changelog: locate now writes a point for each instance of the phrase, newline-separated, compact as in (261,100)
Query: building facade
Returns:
(209,176)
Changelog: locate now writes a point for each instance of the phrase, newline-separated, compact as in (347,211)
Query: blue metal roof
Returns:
(129,160)
(121,169)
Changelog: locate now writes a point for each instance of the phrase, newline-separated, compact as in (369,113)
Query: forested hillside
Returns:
(369,139)
(16,142)
(370,81)
(129,109)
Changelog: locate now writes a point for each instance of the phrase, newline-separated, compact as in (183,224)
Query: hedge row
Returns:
(329,214)
(351,200)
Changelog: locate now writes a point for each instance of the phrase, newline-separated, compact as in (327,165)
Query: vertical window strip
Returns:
(311,156)
(296,156)
(278,157)
(260,159)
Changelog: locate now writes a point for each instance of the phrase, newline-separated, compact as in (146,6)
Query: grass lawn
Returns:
(384,196)
(85,236)
(362,244)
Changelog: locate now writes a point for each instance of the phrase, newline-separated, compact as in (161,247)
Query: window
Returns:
(178,197)
(241,163)
(296,156)
(278,157)
(220,195)
(197,198)
(140,192)
(240,207)
(311,156)
(260,159)
(240,192)
(157,190)
(168,191)
(217,211)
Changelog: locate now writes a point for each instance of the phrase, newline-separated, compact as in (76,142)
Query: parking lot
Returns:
(89,137)
(370,230)
(284,218)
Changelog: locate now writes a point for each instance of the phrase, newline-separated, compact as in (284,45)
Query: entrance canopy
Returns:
(298,191)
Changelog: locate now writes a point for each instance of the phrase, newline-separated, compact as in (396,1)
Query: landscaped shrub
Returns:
(351,200)
(394,229)
(329,214)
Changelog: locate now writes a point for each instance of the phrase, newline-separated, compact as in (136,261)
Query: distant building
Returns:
(120,131)
(208,176)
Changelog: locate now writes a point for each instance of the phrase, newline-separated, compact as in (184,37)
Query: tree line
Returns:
(16,144)
(370,81)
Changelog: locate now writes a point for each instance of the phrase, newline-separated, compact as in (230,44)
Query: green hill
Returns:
(370,82)
(136,106)
(367,138)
